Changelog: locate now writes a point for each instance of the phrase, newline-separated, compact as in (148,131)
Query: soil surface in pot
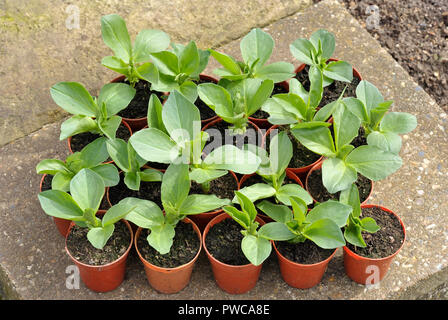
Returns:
(79,141)
(303,252)
(360,140)
(301,156)
(205,111)
(385,241)
(331,92)
(147,191)
(222,187)
(320,193)
(223,242)
(252,136)
(260,114)
(138,107)
(82,250)
(185,247)
(46,185)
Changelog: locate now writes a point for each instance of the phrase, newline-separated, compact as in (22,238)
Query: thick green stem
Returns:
(206,187)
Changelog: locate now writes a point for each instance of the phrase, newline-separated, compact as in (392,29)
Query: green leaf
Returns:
(175,186)
(161,238)
(332,210)
(277,212)
(154,115)
(316,88)
(287,191)
(75,125)
(115,36)
(226,61)
(373,163)
(246,205)
(256,94)
(256,249)
(110,126)
(297,88)
(352,233)
(387,141)
(369,225)
(240,217)
(61,181)
(257,191)
(317,139)
(116,213)
(87,189)
(146,214)
(116,97)
(277,72)
(201,175)
(339,70)
(285,109)
(108,172)
(369,95)
(357,107)
(189,90)
(276,231)
(327,42)
(116,64)
(256,45)
(325,112)
(299,208)
(154,145)
(337,175)
(132,180)
(398,122)
(200,203)
(118,151)
(230,157)
(303,50)
(73,98)
(189,58)
(59,204)
(151,175)
(98,237)
(181,118)
(51,166)
(280,149)
(166,62)
(95,152)
(325,233)
(149,41)
(377,114)
(345,124)
(148,72)
(217,98)
(350,196)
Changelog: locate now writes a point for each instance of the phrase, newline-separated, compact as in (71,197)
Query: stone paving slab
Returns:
(32,255)
(38,50)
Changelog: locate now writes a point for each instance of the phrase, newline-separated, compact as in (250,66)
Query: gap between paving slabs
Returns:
(33,256)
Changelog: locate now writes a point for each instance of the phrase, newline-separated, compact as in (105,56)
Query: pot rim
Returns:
(207,229)
(163,269)
(103,266)
(359,257)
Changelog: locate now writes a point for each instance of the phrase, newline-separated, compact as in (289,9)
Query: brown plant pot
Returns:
(264,123)
(203,219)
(301,172)
(302,276)
(319,166)
(69,139)
(368,271)
(355,72)
(106,277)
(169,280)
(232,279)
(290,174)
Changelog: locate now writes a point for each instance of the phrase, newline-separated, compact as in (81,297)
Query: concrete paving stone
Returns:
(32,257)
(38,49)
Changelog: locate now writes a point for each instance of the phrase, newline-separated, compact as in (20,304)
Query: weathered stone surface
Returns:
(32,254)
(38,50)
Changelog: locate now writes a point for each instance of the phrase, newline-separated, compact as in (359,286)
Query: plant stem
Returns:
(206,187)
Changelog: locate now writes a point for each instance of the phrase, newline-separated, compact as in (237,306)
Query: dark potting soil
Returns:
(46,185)
(185,247)
(252,136)
(360,140)
(306,252)
(138,107)
(301,156)
(148,191)
(82,250)
(79,141)
(157,165)
(385,241)
(222,187)
(331,92)
(223,242)
(320,193)
(205,111)
(278,88)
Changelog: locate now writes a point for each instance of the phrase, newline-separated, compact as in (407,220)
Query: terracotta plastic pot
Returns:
(257,129)
(369,271)
(69,139)
(301,172)
(232,279)
(106,277)
(61,224)
(203,219)
(302,276)
(290,174)
(303,65)
(264,123)
(319,166)
(169,280)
